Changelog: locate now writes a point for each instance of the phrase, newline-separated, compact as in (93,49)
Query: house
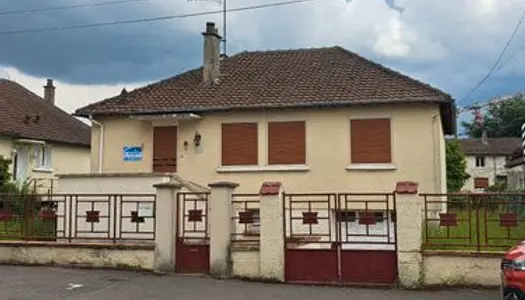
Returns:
(515,167)
(486,159)
(40,138)
(318,120)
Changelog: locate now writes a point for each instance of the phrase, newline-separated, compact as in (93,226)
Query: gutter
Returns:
(100,143)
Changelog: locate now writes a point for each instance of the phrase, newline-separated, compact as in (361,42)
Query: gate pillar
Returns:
(272,231)
(165,226)
(409,218)
(220,226)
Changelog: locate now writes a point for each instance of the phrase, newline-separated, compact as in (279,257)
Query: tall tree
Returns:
(456,166)
(501,119)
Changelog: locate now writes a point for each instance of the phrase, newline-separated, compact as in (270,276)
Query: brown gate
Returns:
(340,238)
(192,252)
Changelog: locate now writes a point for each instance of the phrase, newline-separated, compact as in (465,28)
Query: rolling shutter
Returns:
(370,141)
(286,143)
(481,182)
(239,144)
(165,149)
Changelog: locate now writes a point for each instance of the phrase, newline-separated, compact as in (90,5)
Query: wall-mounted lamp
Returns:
(186,144)
(197,139)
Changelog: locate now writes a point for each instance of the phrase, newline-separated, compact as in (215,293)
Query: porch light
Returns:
(197,139)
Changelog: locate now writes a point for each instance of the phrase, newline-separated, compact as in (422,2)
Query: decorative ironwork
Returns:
(195,215)
(367,218)
(246,217)
(93,216)
(135,217)
(508,220)
(448,219)
(310,218)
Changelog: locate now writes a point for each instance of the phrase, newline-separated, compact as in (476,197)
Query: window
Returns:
(481,182)
(43,155)
(370,141)
(286,143)
(165,149)
(480,161)
(239,144)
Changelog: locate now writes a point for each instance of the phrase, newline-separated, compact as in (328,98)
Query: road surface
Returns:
(47,283)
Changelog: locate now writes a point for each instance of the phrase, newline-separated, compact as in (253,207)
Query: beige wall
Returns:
(461,270)
(417,155)
(65,159)
(71,255)
(246,264)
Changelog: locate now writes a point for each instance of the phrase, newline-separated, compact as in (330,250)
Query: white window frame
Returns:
(481,160)
(43,158)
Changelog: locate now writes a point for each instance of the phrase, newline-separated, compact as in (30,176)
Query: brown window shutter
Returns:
(165,149)
(239,144)
(481,182)
(370,141)
(286,143)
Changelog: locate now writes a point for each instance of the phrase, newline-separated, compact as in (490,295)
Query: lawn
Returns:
(476,230)
(35,229)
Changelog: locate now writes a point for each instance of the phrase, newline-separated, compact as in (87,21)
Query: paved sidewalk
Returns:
(47,283)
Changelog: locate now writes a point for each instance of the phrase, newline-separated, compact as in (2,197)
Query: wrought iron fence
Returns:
(473,222)
(98,218)
(245,219)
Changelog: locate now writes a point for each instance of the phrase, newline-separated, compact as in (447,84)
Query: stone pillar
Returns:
(409,208)
(220,220)
(271,215)
(166,211)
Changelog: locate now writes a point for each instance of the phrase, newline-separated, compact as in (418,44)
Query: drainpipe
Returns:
(100,143)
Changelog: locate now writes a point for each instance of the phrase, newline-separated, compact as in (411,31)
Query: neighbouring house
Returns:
(318,120)
(486,159)
(516,170)
(40,138)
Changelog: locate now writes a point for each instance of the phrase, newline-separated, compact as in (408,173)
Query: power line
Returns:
(163,18)
(497,60)
(66,7)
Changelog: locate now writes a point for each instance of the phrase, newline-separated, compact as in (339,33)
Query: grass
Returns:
(19,229)
(476,230)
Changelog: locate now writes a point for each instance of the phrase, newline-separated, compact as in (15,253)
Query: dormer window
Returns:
(480,161)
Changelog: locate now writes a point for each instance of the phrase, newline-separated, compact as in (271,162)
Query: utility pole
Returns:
(224,20)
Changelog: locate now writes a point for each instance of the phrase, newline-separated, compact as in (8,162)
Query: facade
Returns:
(40,138)
(486,161)
(319,120)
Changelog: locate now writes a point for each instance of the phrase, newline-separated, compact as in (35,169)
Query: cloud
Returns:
(449,43)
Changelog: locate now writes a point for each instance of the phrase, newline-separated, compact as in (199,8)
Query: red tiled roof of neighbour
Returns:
(23,114)
(495,146)
(277,79)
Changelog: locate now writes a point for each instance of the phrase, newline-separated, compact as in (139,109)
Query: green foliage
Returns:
(503,119)
(5,176)
(456,166)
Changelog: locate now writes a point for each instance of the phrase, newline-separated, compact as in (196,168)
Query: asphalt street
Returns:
(48,283)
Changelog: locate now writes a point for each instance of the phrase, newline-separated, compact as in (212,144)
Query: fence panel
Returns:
(125,218)
(474,222)
(245,219)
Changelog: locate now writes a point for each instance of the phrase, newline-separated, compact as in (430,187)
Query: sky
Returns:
(450,44)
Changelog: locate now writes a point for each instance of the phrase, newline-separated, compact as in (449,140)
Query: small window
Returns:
(480,161)
(43,156)
(254,228)
(481,182)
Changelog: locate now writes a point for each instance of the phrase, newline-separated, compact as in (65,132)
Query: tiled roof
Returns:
(23,114)
(274,79)
(495,146)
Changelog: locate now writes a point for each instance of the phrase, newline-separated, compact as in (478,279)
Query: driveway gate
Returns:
(340,238)
(192,252)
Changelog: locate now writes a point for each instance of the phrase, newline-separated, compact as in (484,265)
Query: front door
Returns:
(22,164)
(165,149)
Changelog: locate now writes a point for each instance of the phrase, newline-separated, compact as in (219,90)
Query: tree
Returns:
(501,119)
(456,166)
(5,176)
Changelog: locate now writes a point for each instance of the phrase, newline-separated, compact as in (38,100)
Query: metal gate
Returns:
(340,238)
(192,252)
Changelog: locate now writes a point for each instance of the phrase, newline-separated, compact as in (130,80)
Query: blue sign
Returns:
(132,153)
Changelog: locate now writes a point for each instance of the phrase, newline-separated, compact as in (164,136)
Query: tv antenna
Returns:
(224,19)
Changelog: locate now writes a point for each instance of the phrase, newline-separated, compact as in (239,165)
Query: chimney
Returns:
(211,57)
(484,137)
(49,91)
